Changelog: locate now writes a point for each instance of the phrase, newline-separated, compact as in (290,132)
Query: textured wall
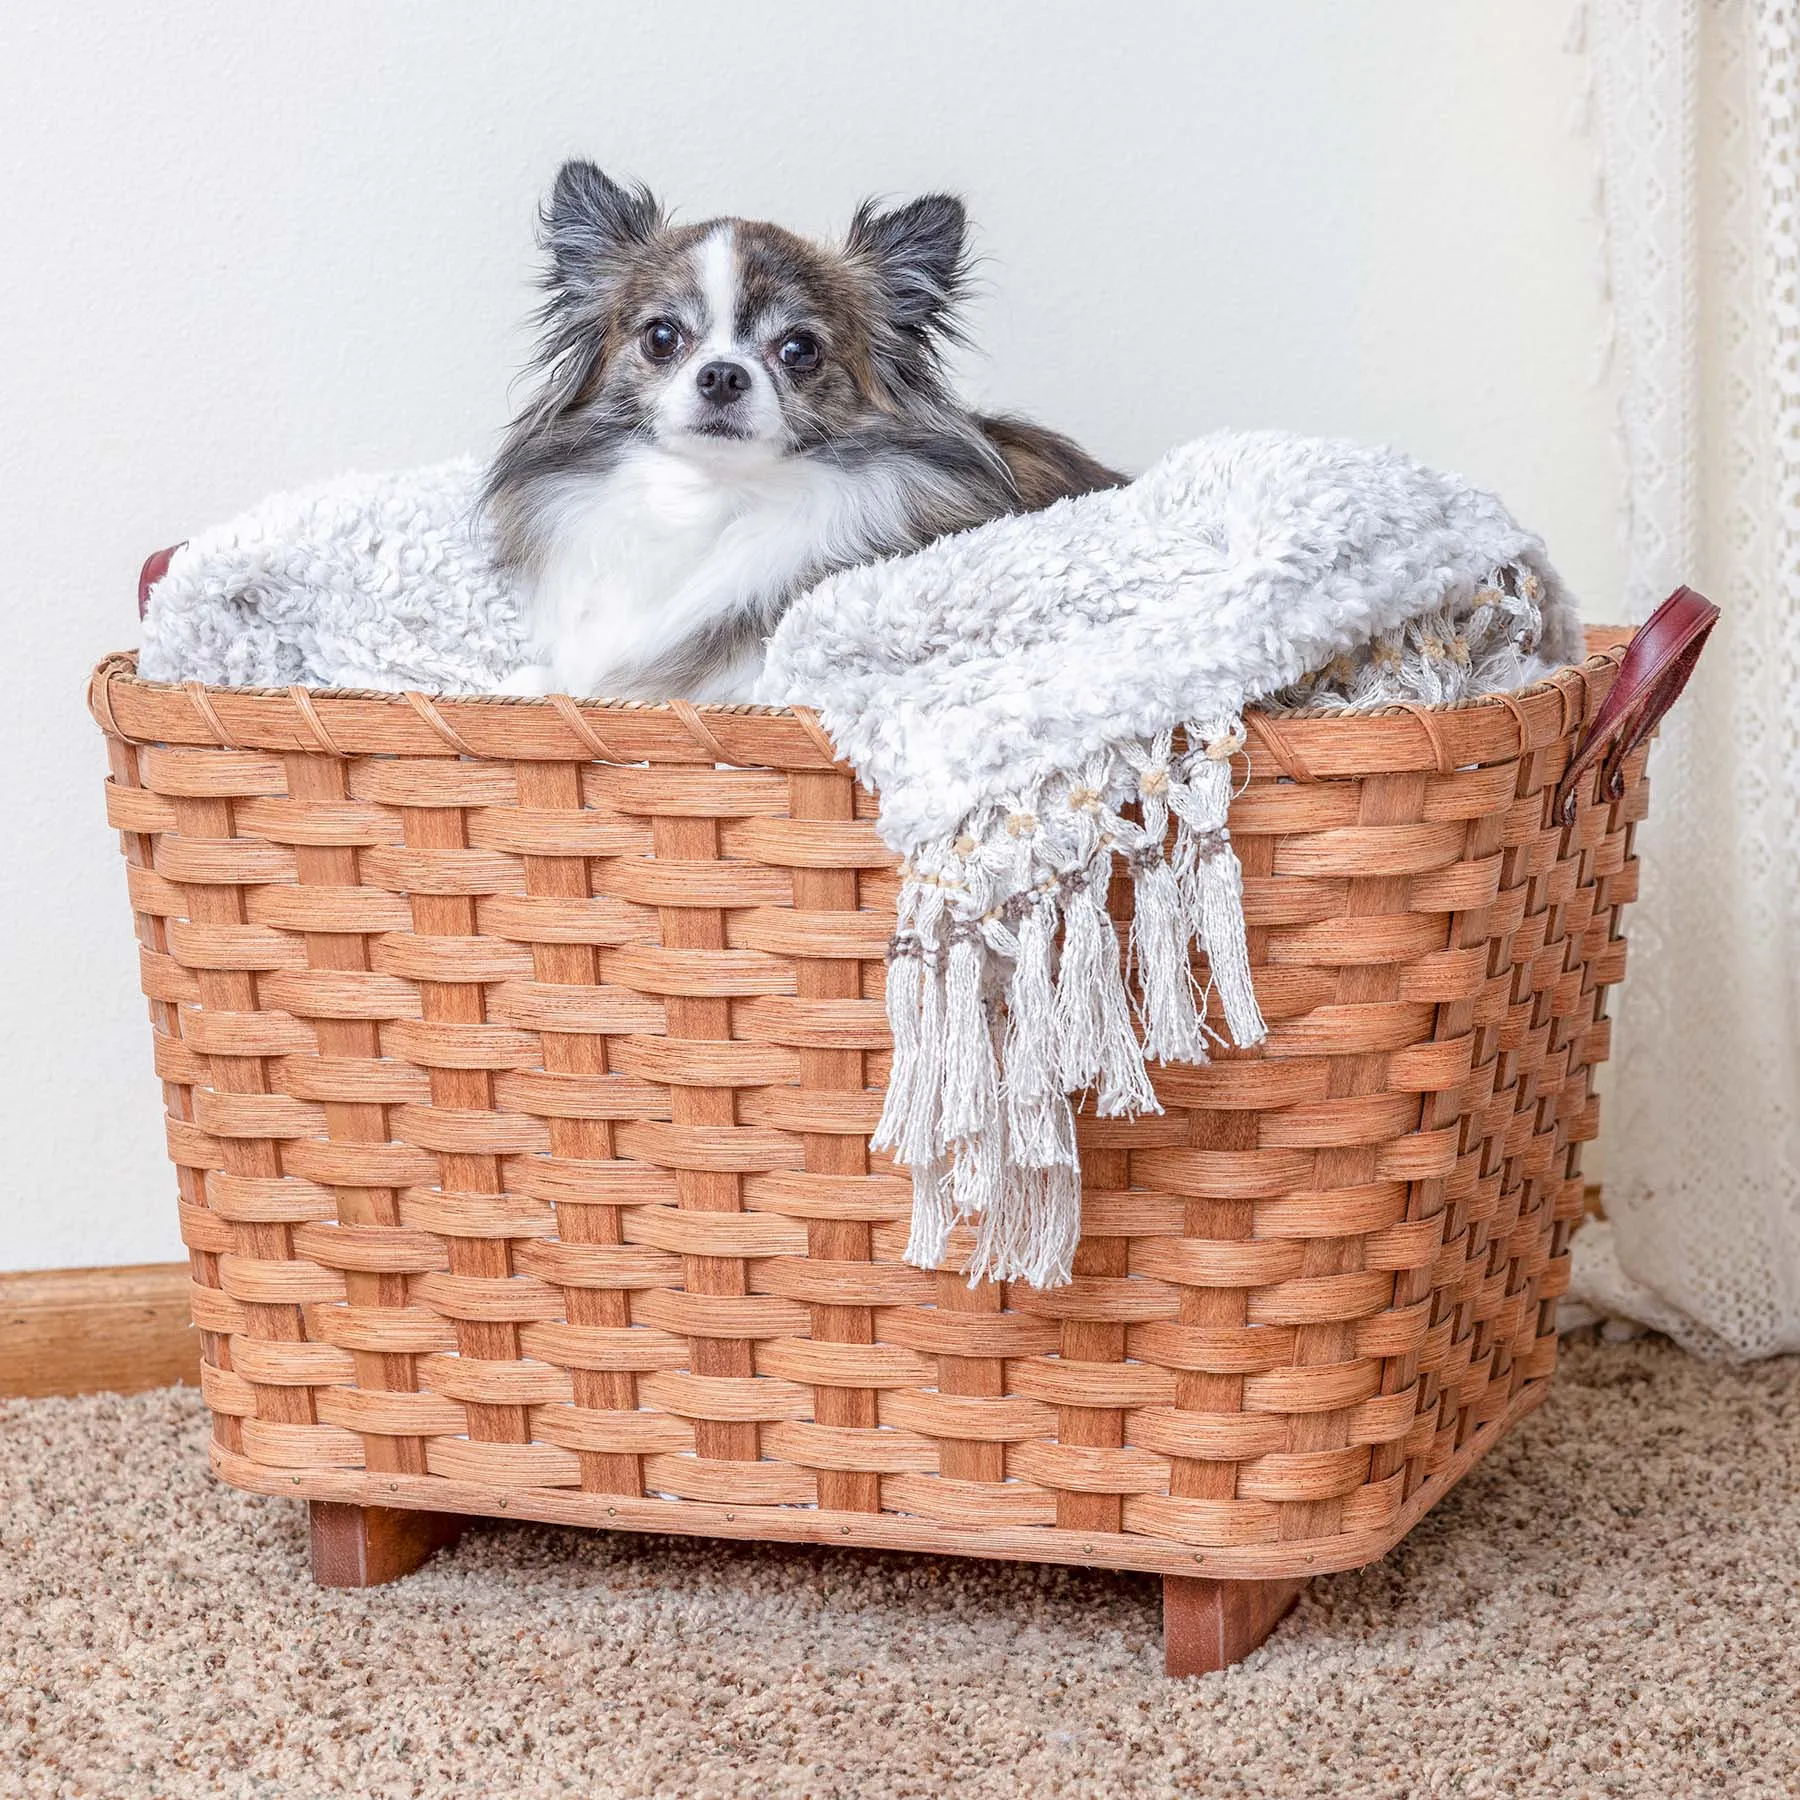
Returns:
(241,248)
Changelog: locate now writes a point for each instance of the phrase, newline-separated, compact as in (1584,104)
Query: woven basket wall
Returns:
(519,1063)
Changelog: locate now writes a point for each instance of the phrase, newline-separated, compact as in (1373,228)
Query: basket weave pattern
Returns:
(520,1062)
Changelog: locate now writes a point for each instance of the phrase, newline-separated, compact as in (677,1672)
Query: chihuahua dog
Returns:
(726,414)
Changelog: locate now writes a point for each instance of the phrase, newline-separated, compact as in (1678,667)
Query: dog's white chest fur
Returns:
(667,545)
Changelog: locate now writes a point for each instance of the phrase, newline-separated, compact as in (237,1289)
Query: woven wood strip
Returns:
(519,1102)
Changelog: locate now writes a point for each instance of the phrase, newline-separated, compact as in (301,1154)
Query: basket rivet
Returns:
(845,1529)
(1087,1549)
(502,1502)
(1198,1557)
(612,1512)
(1310,1559)
(729,1517)
(296,1480)
(393,1487)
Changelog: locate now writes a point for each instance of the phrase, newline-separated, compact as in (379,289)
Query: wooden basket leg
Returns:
(364,1546)
(1209,1625)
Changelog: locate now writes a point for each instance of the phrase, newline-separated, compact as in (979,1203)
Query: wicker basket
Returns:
(520,1059)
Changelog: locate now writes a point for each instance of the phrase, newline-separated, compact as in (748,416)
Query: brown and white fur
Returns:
(726,414)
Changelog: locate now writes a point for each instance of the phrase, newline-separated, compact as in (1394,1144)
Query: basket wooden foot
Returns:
(1209,1625)
(364,1546)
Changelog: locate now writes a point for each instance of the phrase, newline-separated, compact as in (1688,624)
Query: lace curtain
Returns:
(1698,116)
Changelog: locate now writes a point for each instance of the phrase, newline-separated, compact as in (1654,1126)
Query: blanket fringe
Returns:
(1040,1123)
(994,1029)
(1212,885)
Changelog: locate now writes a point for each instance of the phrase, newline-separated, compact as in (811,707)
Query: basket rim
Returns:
(1401,738)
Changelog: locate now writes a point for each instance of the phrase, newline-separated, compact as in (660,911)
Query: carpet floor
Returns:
(1609,1605)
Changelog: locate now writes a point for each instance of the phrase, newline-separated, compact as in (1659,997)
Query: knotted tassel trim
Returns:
(915,1007)
(1040,1125)
(1212,880)
(1159,955)
(933,1215)
(905,1005)
(1093,1011)
(1032,1233)
(994,1029)
(971,1080)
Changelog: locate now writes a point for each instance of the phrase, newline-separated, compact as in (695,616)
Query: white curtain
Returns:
(1698,116)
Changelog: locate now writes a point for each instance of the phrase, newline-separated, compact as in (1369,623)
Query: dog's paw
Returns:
(535,679)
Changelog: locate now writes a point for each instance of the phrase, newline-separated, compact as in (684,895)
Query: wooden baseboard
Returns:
(90,1331)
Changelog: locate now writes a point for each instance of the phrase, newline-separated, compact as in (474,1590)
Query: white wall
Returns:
(243,247)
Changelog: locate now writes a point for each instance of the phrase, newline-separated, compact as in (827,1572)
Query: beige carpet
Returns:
(1609,1606)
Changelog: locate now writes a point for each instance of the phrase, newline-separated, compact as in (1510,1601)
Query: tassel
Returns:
(933,1214)
(1211,880)
(979,1175)
(970,1079)
(1055,1227)
(1125,1089)
(918,1142)
(1093,1011)
(1160,935)
(1218,900)
(1000,1231)
(905,980)
(1035,1103)
(1033,1234)
(978,1101)
(921,1140)
(1078,1021)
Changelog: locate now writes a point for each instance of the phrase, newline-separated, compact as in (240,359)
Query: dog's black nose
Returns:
(723,382)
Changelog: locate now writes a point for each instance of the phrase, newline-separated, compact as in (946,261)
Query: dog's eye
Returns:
(660,340)
(800,352)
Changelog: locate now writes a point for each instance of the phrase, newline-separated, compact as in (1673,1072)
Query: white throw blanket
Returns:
(368,581)
(1013,695)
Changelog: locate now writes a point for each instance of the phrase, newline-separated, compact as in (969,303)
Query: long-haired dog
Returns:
(727,413)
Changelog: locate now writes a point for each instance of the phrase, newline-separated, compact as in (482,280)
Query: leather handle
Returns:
(154,569)
(1652,672)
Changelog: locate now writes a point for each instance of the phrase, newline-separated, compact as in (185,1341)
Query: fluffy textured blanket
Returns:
(369,581)
(1013,695)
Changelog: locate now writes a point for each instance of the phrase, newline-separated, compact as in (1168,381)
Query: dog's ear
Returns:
(589,218)
(918,254)
(586,224)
